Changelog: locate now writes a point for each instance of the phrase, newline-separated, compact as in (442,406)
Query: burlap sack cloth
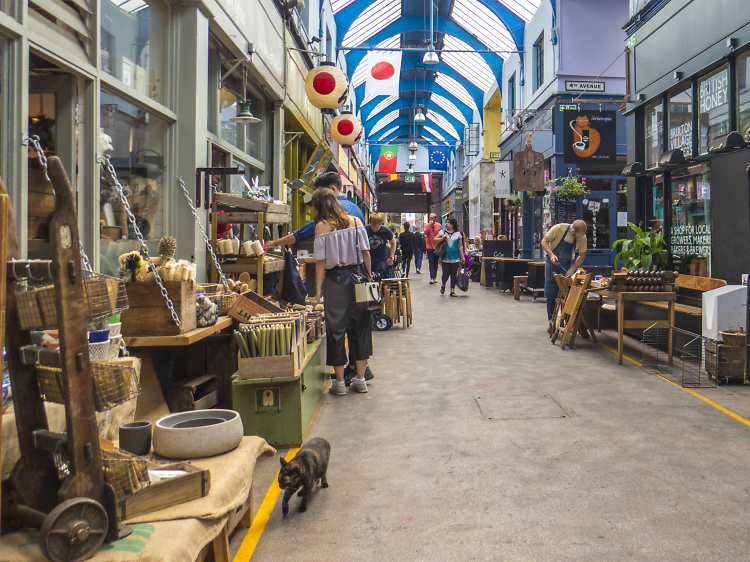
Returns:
(176,534)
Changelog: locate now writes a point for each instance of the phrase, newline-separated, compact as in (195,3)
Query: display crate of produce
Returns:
(272,345)
(149,315)
(249,305)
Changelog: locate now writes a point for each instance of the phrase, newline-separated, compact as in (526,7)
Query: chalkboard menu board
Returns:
(495,249)
(565,209)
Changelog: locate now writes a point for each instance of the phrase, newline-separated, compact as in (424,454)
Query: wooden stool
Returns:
(397,300)
(517,280)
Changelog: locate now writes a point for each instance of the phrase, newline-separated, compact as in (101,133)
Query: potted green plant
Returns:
(645,251)
(514,203)
(570,186)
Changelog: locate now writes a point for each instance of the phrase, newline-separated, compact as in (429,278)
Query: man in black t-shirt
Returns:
(382,247)
(407,241)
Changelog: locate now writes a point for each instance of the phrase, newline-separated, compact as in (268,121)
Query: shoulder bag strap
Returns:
(358,252)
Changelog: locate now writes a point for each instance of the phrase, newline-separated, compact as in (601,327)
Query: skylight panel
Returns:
(367,100)
(524,9)
(360,74)
(385,120)
(387,133)
(381,106)
(448,106)
(452,85)
(375,18)
(442,122)
(434,133)
(482,23)
(338,5)
(470,65)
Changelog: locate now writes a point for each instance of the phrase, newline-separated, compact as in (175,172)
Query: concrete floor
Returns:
(479,440)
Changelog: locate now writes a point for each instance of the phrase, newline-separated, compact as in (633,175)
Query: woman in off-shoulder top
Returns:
(341,245)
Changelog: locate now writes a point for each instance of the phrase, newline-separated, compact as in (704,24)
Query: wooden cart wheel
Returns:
(73,531)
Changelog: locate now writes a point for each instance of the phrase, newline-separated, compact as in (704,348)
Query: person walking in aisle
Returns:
(431,230)
(560,244)
(382,246)
(407,240)
(341,245)
(455,250)
(419,248)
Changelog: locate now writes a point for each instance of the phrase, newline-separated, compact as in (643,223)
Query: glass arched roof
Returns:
(448,106)
(442,122)
(385,120)
(457,89)
(377,16)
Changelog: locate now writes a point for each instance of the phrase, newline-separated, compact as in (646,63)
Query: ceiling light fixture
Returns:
(412,156)
(431,57)
(419,116)
(413,145)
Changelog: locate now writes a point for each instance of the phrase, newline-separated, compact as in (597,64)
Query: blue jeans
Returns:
(418,259)
(382,269)
(433,259)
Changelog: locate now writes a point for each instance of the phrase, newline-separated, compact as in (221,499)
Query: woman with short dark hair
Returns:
(341,245)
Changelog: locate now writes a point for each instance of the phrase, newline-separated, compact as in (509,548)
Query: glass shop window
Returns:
(622,209)
(134,44)
(135,141)
(691,221)
(681,122)
(713,108)
(653,128)
(743,96)
(656,206)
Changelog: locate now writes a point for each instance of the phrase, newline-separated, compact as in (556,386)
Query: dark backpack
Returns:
(293,290)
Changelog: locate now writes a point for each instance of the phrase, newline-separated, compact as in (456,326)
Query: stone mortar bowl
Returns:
(197,434)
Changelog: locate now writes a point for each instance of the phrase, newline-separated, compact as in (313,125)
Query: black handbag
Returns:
(463,280)
(440,248)
(293,289)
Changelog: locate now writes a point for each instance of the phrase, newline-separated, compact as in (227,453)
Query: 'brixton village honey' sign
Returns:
(528,169)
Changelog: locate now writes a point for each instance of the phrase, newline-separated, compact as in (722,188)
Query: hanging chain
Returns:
(34,141)
(203,232)
(107,164)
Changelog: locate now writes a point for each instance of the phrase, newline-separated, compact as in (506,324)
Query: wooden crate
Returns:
(284,367)
(725,362)
(149,315)
(198,393)
(166,493)
(250,304)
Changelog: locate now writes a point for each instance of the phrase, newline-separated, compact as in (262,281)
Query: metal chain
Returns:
(105,161)
(34,141)
(203,232)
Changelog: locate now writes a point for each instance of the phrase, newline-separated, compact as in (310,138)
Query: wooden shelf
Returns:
(184,339)
(250,265)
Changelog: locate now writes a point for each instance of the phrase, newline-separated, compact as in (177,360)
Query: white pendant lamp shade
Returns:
(419,116)
(412,156)
(346,129)
(410,168)
(431,57)
(413,146)
(327,87)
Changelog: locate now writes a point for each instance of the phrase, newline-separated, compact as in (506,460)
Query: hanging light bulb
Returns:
(431,57)
(412,156)
(413,145)
(410,168)
(419,116)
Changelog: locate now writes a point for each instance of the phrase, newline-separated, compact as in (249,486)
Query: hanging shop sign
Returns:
(327,87)
(528,169)
(590,136)
(346,129)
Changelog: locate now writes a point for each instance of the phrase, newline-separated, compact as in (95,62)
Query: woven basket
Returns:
(126,473)
(227,300)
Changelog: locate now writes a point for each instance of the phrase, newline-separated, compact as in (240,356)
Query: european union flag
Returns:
(438,158)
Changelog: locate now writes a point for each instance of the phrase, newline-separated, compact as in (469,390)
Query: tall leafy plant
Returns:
(645,251)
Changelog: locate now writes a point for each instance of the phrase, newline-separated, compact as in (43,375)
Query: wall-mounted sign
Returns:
(573,107)
(267,400)
(632,40)
(410,179)
(528,169)
(571,86)
(590,136)
(494,155)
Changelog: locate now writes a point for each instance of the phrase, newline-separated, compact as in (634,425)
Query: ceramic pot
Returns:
(135,437)
(197,434)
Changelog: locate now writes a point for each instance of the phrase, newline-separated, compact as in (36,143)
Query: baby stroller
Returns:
(398,269)
(381,322)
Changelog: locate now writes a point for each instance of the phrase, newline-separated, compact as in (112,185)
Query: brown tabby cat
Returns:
(303,471)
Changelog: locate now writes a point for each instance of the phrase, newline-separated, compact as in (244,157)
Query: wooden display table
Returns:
(621,297)
(280,409)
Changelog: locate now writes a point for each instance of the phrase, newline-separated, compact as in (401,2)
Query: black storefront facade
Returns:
(689,79)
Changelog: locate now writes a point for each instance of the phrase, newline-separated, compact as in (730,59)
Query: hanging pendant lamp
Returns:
(431,57)
(412,156)
(419,116)
(413,145)
(244,115)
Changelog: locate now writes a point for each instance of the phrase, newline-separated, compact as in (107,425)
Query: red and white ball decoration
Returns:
(326,86)
(346,129)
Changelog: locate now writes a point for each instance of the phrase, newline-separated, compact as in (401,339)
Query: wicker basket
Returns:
(126,473)
(227,300)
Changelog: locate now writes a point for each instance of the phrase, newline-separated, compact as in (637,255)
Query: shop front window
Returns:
(137,140)
(622,209)
(656,206)
(134,44)
(713,112)
(653,128)
(691,221)
(681,122)
(743,96)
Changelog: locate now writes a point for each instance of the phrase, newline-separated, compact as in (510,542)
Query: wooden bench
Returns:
(690,283)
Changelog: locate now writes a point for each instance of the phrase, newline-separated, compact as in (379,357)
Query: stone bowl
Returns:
(197,434)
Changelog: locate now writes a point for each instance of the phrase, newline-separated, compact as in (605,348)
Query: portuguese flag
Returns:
(388,159)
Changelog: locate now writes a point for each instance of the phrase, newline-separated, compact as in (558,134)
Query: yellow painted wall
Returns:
(493,125)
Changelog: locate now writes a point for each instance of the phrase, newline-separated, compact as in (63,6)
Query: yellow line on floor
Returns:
(688,390)
(250,541)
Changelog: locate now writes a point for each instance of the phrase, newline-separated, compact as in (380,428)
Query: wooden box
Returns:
(149,315)
(166,493)
(725,362)
(285,366)
(198,393)
(250,304)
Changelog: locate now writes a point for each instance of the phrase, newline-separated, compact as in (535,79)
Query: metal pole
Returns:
(416,50)
(747,304)
(432,32)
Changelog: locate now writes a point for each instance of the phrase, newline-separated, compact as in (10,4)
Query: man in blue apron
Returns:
(560,244)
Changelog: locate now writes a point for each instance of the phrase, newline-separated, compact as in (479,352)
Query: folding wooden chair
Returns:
(574,309)
(558,321)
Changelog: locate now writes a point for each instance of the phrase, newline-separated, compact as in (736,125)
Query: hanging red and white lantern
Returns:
(327,87)
(346,129)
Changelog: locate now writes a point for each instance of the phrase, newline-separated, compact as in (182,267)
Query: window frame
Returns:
(512,93)
(539,62)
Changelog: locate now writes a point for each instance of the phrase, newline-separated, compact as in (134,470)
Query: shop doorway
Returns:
(52,117)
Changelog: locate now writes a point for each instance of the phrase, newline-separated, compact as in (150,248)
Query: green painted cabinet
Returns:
(280,410)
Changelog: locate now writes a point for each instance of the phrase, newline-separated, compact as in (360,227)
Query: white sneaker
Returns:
(337,389)
(358,385)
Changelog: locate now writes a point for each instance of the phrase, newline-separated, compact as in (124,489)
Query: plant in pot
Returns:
(570,186)
(645,251)
(514,203)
